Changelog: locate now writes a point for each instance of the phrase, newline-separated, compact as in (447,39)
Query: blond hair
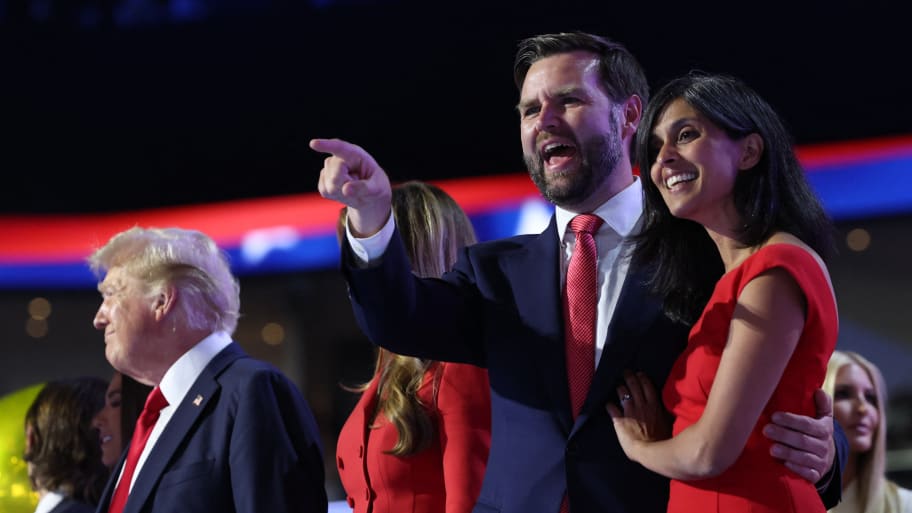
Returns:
(187,259)
(870,474)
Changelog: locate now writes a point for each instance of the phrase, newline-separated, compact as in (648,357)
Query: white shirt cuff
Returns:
(370,249)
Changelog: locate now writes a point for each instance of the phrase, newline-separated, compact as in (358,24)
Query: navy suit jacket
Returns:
(500,308)
(68,505)
(242,440)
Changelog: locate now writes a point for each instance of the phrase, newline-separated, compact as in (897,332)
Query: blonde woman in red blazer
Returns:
(418,439)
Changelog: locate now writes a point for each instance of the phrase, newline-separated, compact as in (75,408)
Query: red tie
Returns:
(580,311)
(144,424)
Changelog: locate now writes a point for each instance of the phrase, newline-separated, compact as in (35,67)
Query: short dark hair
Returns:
(772,196)
(622,76)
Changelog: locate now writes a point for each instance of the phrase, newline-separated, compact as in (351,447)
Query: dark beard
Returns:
(598,158)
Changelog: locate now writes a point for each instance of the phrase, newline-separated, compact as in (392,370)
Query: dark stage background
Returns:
(124,104)
(113,105)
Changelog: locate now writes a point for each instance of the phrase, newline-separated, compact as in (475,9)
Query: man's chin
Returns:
(564,191)
(113,358)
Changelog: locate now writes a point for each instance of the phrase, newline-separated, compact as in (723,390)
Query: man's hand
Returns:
(804,443)
(352,177)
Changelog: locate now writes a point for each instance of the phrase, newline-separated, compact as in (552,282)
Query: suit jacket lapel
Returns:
(105,502)
(204,389)
(535,271)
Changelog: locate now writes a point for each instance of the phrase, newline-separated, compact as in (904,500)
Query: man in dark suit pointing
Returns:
(502,307)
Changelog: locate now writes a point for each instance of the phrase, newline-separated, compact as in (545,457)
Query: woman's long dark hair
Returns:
(772,196)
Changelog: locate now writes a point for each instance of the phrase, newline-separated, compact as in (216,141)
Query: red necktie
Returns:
(580,309)
(580,312)
(144,424)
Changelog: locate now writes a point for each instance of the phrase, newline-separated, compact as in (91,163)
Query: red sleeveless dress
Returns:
(756,482)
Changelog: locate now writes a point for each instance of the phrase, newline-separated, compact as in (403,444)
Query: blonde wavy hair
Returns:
(187,259)
(433,228)
(870,471)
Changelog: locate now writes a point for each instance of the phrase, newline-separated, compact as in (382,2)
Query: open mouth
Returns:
(673,180)
(556,154)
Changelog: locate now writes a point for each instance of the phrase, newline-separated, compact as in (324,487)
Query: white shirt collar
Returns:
(183,373)
(621,212)
(48,502)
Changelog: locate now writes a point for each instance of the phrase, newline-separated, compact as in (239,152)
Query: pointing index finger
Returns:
(345,150)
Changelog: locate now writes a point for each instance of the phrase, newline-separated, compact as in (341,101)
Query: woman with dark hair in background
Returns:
(61,446)
(859,405)
(124,401)
(418,439)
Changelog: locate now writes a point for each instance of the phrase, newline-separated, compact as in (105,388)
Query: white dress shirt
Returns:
(621,214)
(177,382)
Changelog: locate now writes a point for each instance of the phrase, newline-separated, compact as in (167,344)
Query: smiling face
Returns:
(855,407)
(127,316)
(696,165)
(107,422)
(573,134)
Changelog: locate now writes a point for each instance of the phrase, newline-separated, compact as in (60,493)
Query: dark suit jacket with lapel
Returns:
(501,308)
(68,505)
(242,440)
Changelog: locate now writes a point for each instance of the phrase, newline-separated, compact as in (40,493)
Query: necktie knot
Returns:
(155,402)
(586,223)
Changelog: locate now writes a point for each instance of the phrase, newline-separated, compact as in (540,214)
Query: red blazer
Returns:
(444,477)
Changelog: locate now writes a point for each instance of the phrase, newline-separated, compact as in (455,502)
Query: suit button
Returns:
(360,451)
(340,464)
(572,448)
(351,502)
(367,495)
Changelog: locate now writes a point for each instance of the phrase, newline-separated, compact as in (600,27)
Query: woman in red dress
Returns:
(737,239)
